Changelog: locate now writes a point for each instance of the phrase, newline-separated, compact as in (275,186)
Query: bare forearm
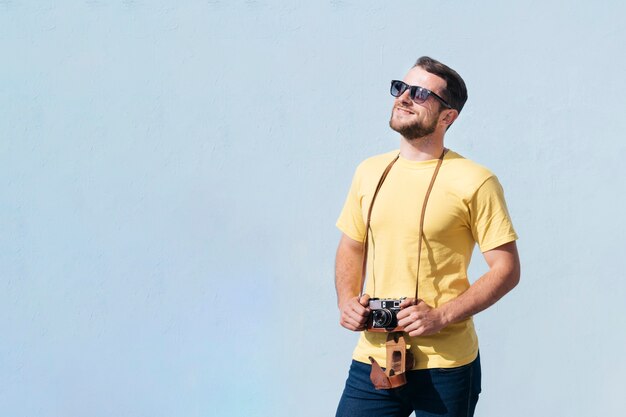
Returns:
(481,295)
(348,266)
(353,310)
(502,277)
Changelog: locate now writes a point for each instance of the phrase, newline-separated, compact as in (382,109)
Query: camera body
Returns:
(383,315)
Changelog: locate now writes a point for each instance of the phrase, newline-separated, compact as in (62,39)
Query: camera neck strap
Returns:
(421,223)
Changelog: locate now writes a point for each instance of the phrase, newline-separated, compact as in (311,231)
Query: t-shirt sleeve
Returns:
(351,220)
(490,221)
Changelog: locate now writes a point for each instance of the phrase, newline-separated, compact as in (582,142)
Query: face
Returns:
(414,120)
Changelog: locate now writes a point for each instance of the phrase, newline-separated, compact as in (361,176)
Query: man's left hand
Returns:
(419,319)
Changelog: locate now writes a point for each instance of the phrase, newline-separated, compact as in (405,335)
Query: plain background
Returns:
(171,172)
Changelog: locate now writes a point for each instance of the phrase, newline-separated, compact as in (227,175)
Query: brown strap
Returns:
(421,228)
(369,217)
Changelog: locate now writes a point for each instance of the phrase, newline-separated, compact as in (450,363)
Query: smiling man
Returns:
(410,223)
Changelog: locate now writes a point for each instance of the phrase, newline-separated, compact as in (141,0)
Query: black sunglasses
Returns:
(417,94)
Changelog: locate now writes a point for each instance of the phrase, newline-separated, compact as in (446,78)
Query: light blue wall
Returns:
(170,175)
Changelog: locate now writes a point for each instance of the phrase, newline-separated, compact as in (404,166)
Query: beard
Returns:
(414,130)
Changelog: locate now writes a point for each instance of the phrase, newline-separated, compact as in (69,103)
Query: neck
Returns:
(421,149)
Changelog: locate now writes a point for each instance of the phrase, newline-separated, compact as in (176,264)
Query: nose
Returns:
(405,98)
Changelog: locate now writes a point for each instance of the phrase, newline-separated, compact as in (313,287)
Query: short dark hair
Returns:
(456,92)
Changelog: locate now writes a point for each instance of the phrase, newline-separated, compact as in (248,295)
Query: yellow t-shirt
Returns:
(466,206)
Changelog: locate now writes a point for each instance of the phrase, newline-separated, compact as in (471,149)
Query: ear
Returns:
(449,116)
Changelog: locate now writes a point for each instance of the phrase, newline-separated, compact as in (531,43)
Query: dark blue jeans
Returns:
(450,392)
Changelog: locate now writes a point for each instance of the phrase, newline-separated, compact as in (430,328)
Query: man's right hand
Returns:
(354,312)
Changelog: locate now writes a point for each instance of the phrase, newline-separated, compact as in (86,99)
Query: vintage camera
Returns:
(383,314)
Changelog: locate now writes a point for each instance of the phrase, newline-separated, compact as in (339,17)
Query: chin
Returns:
(393,126)
(398,127)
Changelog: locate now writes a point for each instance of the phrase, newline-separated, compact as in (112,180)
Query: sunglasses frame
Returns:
(413,89)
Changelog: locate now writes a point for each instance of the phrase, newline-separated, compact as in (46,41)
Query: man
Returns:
(463,207)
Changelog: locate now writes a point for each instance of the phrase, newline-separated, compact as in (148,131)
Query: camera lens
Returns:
(382,318)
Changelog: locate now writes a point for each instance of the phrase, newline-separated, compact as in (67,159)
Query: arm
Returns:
(419,319)
(348,265)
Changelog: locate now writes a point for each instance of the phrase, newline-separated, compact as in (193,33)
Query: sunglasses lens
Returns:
(420,94)
(397,88)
